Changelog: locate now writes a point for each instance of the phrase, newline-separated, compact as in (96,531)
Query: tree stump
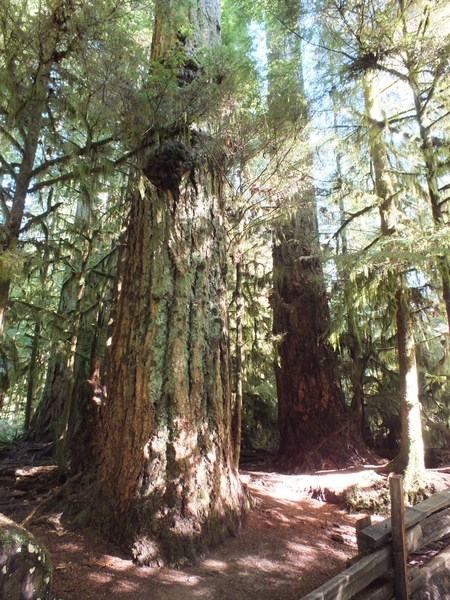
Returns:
(25,567)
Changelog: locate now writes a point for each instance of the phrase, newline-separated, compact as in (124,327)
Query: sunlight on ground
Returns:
(125,587)
(303,549)
(257,563)
(294,537)
(181,577)
(294,487)
(101,577)
(215,565)
(69,547)
(118,564)
(293,542)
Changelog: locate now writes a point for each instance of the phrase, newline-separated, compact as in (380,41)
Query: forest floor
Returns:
(299,534)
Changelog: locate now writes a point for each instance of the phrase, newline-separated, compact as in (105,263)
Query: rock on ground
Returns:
(25,567)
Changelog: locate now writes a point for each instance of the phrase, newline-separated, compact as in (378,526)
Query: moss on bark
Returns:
(25,566)
(168,485)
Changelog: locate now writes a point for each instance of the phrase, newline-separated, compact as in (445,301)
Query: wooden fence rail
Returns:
(425,523)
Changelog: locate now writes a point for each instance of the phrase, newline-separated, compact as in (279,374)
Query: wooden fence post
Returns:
(360,524)
(398,537)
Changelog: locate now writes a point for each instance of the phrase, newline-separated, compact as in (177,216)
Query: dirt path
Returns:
(291,544)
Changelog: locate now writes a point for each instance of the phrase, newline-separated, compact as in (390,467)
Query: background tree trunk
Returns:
(410,459)
(84,304)
(310,401)
(237,408)
(50,407)
(31,374)
(359,350)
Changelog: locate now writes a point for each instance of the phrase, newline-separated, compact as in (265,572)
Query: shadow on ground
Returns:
(290,544)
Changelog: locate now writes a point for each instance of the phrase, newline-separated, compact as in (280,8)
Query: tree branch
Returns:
(12,139)
(5,207)
(37,218)
(67,157)
(74,176)
(8,167)
(351,218)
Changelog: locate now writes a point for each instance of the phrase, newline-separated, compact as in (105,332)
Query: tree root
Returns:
(52,496)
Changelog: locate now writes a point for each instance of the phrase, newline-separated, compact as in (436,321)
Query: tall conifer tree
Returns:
(168,486)
(314,423)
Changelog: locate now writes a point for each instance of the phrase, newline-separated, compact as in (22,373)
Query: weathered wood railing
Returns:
(424,523)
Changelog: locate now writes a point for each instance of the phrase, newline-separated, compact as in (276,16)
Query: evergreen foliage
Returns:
(83,106)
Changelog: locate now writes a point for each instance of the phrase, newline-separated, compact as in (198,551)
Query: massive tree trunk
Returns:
(168,486)
(313,421)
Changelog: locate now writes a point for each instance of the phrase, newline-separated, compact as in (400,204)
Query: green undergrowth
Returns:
(10,428)
(376,499)
(373,500)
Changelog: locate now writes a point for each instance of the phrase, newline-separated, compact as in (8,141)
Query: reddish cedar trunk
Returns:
(313,422)
(169,487)
(310,401)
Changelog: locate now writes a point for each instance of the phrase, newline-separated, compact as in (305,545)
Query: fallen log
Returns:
(25,566)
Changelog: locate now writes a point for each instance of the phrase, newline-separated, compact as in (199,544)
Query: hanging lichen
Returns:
(11,265)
